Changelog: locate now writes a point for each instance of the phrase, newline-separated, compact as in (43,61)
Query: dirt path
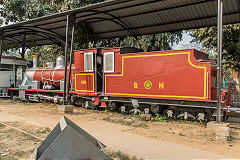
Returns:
(150,143)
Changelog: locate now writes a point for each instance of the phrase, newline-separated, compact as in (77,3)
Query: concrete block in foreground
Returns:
(69,141)
(221,130)
(222,134)
(65,108)
(212,125)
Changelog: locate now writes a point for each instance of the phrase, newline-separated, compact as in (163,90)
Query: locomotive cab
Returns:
(88,70)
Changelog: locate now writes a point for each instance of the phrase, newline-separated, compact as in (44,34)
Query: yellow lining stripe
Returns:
(81,74)
(169,96)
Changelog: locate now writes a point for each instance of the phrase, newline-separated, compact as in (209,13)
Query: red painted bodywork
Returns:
(44,75)
(84,81)
(175,75)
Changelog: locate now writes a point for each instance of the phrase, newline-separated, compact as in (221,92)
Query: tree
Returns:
(18,10)
(155,42)
(47,53)
(231,43)
(12,11)
(83,35)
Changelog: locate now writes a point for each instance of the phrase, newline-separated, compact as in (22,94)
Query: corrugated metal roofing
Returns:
(120,18)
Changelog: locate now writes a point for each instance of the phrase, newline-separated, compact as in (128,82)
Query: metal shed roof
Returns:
(119,18)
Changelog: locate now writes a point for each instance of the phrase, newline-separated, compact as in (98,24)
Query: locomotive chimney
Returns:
(35,61)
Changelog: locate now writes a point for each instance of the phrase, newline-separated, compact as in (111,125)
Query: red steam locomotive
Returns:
(180,84)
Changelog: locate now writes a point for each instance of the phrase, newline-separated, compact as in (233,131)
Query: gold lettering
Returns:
(83,82)
(161,85)
(135,85)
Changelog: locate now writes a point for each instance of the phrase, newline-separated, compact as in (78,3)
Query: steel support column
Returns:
(65,73)
(71,21)
(70,64)
(1,46)
(219,66)
(23,46)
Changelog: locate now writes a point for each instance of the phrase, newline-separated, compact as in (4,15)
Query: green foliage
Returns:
(127,121)
(83,35)
(47,53)
(106,111)
(182,134)
(18,10)
(160,118)
(229,138)
(231,43)
(155,42)
(12,10)
(26,102)
(227,74)
(85,38)
(46,131)
(1,126)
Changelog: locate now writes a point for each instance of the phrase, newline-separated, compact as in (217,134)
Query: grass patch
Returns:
(1,126)
(2,146)
(25,102)
(30,138)
(230,139)
(9,157)
(121,156)
(160,118)
(14,155)
(15,145)
(46,131)
(141,125)
(19,154)
(107,119)
(182,134)
(127,121)
(106,111)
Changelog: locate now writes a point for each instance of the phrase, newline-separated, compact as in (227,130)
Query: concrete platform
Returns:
(221,129)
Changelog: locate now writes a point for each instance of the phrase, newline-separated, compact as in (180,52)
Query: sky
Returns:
(185,44)
(185,41)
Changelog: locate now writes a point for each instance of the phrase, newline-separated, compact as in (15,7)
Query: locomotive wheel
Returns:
(154,109)
(112,106)
(174,113)
(78,102)
(89,105)
(208,115)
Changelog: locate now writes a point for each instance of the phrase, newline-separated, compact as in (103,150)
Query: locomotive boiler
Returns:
(178,84)
(47,78)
